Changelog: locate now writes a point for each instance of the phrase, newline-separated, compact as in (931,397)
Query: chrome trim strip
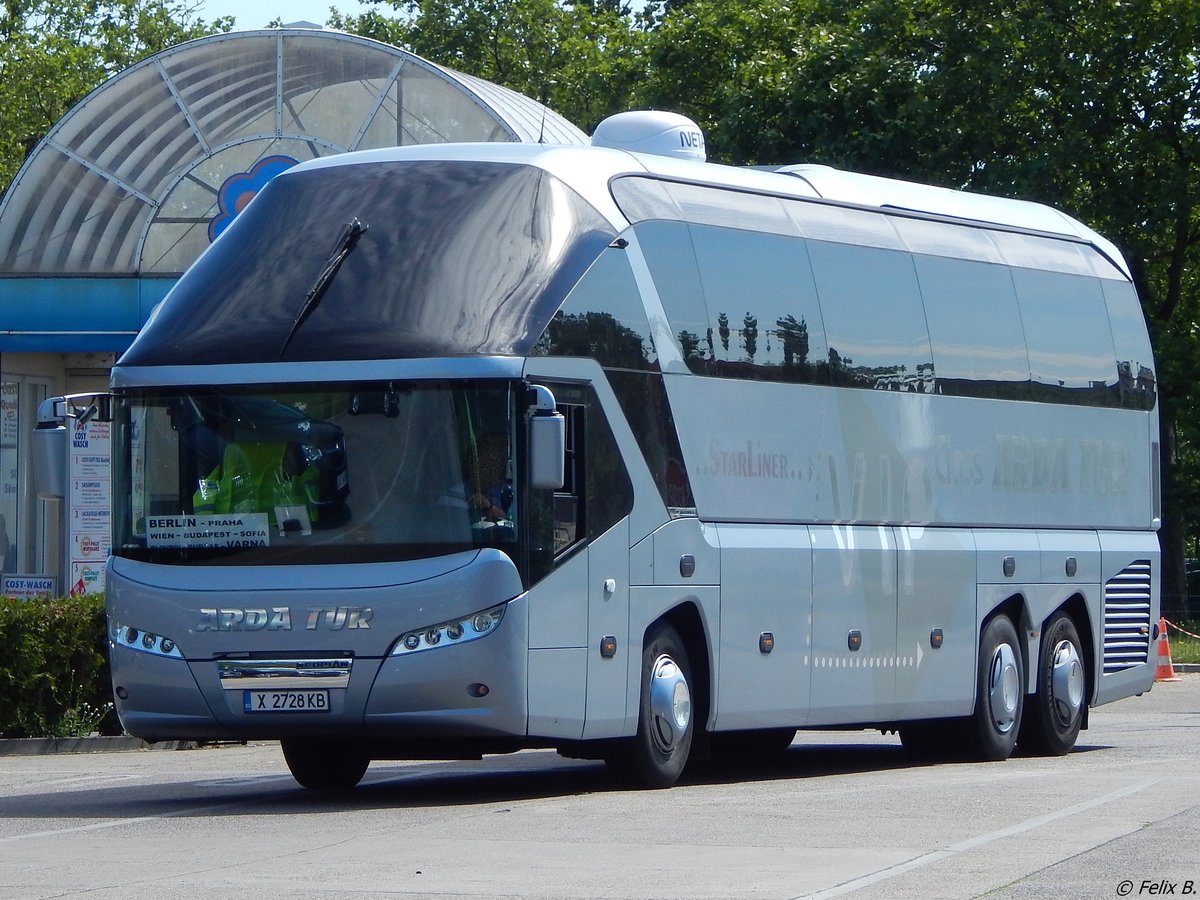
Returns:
(271,674)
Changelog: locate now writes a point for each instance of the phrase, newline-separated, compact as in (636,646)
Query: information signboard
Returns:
(89,539)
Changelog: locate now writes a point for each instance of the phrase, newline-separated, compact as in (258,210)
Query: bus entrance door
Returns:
(608,618)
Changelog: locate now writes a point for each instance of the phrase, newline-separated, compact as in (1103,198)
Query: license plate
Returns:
(285,701)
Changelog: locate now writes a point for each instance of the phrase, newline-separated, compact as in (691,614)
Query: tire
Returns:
(326,765)
(1051,726)
(656,756)
(991,732)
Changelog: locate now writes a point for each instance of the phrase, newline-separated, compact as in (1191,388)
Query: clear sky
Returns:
(257,13)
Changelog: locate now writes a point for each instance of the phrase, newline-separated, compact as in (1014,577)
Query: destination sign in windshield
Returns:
(224,530)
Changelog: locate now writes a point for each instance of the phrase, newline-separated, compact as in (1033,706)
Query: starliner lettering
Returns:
(279,618)
(750,461)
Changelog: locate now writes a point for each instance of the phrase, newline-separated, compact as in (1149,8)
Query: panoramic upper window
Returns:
(975,328)
(667,248)
(874,320)
(1136,382)
(603,318)
(382,260)
(888,301)
(1071,355)
(763,317)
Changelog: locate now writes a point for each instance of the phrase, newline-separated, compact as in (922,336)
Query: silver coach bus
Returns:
(450,450)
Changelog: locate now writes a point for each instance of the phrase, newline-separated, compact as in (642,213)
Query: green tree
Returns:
(582,59)
(729,66)
(53,52)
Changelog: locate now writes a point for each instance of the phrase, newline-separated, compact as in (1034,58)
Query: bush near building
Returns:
(54,677)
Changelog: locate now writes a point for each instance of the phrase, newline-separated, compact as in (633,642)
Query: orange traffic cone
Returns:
(1165,671)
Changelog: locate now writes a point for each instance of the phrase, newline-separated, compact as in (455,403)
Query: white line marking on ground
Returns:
(979,841)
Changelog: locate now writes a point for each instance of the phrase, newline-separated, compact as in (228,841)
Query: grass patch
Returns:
(1184,649)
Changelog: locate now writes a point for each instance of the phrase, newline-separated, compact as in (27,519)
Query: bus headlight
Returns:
(448,634)
(132,638)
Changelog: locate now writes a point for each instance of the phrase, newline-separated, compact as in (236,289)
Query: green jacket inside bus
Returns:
(258,478)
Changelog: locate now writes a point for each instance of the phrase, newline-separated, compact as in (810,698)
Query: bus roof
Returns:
(588,170)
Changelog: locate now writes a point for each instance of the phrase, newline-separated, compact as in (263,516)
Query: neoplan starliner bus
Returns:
(458,449)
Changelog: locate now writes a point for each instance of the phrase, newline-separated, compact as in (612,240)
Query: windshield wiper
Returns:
(346,242)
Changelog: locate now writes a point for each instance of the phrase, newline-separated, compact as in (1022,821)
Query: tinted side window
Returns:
(975,328)
(603,318)
(764,321)
(609,491)
(667,247)
(643,399)
(1136,383)
(874,320)
(1071,355)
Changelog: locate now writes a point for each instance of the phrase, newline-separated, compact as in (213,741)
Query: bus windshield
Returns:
(313,474)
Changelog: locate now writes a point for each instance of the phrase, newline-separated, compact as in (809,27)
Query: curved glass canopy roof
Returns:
(142,174)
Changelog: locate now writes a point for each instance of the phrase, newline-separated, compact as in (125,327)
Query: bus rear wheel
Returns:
(656,756)
(1052,726)
(325,764)
(992,730)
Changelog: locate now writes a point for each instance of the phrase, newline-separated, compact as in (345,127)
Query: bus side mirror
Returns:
(50,450)
(57,416)
(547,441)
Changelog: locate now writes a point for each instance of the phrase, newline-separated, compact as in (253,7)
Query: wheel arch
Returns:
(1016,608)
(686,619)
(1075,607)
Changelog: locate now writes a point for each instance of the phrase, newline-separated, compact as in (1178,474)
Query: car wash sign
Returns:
(89,538)
(28,587)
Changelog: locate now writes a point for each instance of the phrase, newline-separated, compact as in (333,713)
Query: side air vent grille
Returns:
(1127,618)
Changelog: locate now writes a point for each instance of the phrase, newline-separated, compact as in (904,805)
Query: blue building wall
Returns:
(75,314)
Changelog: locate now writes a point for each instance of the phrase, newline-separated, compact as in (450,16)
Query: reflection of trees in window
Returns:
(693,355)
(792,361)
(598,335)
(793,336)
(750,335)
(788,361)
(881,378)
(1135,391)
(843,374)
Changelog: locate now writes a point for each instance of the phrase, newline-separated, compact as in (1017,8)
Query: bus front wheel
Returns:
(655,757)
(1052,725)
(325,764)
